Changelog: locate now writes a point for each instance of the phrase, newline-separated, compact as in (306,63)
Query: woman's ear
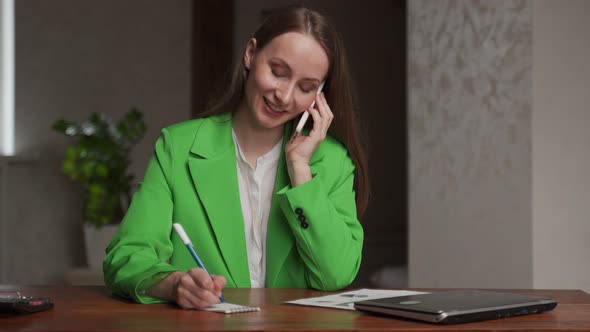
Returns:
(249,53)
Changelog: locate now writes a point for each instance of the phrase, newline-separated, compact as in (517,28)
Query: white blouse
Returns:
(256,190)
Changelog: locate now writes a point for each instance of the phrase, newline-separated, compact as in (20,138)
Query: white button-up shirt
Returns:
(256,190)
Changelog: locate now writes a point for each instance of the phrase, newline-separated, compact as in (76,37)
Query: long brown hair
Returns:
(338,88)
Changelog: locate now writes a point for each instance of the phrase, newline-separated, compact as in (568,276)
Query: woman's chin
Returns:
(270,119)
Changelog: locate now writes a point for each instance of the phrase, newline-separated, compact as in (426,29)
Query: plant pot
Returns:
(96,241)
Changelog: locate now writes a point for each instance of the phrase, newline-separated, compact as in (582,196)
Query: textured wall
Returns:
(470,151)
(561,144)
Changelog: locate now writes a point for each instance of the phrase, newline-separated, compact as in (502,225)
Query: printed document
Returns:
(346,300)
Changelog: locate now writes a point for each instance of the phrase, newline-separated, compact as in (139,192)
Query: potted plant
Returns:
(99,160)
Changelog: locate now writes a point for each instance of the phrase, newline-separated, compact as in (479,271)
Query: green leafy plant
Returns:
(100,160)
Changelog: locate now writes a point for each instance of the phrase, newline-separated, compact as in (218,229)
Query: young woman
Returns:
(263,205)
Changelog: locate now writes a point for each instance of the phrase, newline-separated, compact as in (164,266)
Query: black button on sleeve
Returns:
(304,224)
(299,210)
(301,217)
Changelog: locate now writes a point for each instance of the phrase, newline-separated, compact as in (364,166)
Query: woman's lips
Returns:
(269,110)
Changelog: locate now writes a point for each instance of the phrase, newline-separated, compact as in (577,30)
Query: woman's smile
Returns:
(272,109)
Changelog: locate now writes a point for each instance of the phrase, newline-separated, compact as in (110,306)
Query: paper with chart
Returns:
(346,300)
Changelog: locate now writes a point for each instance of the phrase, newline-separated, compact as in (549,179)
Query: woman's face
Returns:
(283,78)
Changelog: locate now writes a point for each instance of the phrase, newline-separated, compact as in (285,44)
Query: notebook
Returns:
(461,306)
(230,308)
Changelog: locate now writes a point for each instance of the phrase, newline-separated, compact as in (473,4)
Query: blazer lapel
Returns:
(279,238)
(214,174)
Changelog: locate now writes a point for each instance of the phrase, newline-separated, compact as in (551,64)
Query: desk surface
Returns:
(92,308)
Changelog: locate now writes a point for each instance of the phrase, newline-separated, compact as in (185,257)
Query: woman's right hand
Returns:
(190,290)
(196,289)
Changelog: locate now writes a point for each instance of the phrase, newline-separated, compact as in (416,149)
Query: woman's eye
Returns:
(307,89)
(278,73)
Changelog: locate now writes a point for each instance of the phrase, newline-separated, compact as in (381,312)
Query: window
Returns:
(7,77)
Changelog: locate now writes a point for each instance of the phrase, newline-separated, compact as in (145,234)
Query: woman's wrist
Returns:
(299,172)
(166,289)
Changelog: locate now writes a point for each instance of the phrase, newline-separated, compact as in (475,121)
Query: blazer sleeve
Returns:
(322,216)
(141,247)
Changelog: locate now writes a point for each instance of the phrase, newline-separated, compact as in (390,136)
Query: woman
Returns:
(263,205)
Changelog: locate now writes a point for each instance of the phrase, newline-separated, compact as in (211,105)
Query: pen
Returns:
(180,230)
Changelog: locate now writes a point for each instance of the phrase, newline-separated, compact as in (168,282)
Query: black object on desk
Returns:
(24,305)
(459,306)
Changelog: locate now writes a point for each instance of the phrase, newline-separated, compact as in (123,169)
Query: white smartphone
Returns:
(305,114)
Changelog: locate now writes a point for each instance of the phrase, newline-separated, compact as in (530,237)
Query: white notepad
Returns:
(230,308)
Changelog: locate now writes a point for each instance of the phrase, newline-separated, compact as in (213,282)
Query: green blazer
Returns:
(192,180)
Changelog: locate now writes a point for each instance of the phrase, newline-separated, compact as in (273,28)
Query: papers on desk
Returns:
(346,300)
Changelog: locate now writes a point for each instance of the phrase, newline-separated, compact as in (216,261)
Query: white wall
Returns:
(74,57)
(561,144)
(77,57)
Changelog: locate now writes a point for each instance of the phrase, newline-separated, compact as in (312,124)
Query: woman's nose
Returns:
(284,93)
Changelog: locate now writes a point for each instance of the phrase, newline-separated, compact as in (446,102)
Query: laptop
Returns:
(459,306)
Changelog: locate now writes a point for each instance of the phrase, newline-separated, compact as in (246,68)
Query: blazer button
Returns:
(299,210)
(304,224)
(301,217)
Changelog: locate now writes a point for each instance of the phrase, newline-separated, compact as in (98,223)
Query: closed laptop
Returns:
(460,306)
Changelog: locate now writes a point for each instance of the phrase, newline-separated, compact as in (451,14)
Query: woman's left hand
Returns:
(300,148)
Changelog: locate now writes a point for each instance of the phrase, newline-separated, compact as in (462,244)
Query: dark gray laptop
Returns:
(461,306)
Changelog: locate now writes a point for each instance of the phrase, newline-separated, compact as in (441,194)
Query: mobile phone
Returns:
(305,114)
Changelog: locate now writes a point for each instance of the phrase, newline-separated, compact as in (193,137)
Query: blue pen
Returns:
(191,249)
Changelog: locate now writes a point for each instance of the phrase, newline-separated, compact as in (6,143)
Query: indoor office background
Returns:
(475,114)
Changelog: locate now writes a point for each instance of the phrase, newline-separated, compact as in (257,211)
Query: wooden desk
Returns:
(92,308)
